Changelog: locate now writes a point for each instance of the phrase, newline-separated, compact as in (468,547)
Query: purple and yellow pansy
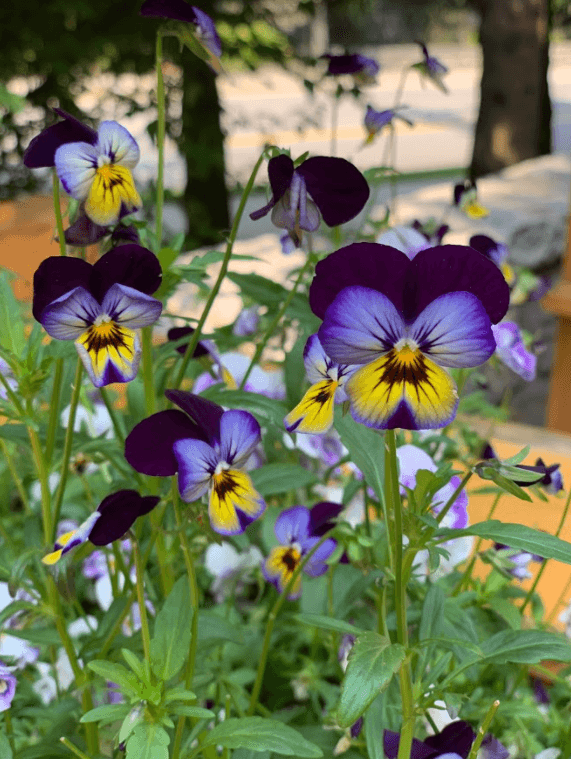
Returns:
(403,320)
(101,307)
(466,198)
(375,121)
(114,516)
(298,530)
(208,448)
(320,186)
(314,413)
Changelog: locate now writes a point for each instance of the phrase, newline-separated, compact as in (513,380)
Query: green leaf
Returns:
(516,536)
(366,448)
(12,336)
(271,479)
(265,408)
(259,289)
(432,613)
(525,647)
(179,694)
(328,623)
(186,710)
(135,663)
(5,750)
(506,610)
(373,660)
(170,643)
(214,630)
(518,457)
(148,741)
(117,673)
(262,734)
(509,486)
(107,713)
(134,718)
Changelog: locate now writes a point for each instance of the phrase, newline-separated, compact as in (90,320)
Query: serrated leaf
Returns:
(272,479)
(148,741)
(516,536)
(171,640)
(328,623)
(12,336)
(432,613)
(373,660)
(107,713)
(262,734)
(525,647)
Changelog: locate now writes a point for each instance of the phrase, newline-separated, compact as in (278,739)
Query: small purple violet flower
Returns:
(511,350)
(465,197)
(364,70)
(320,186)
(7,687)
(496,252)
(297,533)
(553,481)
(376,121)
(431,68)
(247,322)
(516,562)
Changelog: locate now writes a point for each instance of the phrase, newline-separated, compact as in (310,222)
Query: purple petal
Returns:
(177,333)
(407,239)
(206,32)
(321,517)
(512,352)
(55,277)
(457,737)
(457,517)
(491,748)
(316,567)
(364,263)
(76,166)
(84,232)
(118,143)
(9,688)
(376,120)
(123,235)
(239,434)
(495,251)
(351,64)
(205,414)
(197,462)
(280,173)
(292,525)
(130,265)
(41,150)
(178,10)
(391,742)
(131,308)
(455,331)
(360,325)
(316,361)
(451,268)
(68,317)
(411,458)
(337,187)
(149,446)
(118,513)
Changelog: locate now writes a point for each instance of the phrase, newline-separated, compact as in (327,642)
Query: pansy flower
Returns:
(320,186)
(496,252)
(230,368)
(7,687)
(407,239)
(453,742)
(113,518)
(314,413)
(247,322)
(402,321)
(197,30)
(431,230)
(431,68)
(363,69)
(511,350)
(466,199)
(208,448)
(553,480)
(516,562)
(101,307)
(376,121)
(297,533)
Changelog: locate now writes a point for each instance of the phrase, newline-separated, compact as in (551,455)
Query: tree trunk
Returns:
(205,196)
(514,122)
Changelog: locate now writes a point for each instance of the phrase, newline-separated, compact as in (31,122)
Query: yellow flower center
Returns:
(3,686)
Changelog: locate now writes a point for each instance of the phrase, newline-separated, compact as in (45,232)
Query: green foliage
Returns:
(169,646)
(259,734)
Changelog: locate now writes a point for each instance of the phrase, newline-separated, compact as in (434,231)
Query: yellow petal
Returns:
(231,490)
(110,353)
(53,557)
(475,211)
(314,413)
(111,186)
(281,564)
(406,377)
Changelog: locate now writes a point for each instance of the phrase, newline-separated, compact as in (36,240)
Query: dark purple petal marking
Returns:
(204,413)
(149,446)
(322,516)
(178,10)
(457,737)
(391,742)
(177,333)
(41,150)
(368,264)
(118,513)
(84,232)
(337,187)
(280,173)
(131,265)
(450,268)
(55,277)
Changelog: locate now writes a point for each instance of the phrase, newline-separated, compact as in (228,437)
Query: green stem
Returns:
(271,621)
(74,750)
(221,274)
(9,729)
(465,579)
(44,484)
(116,421)
(483,729)
(57,211)
(67,448)
(559,601)
(147,340)
(161,114)
(53,421)
(276,320)
(531,591)
(194,600)
(142,608)
(15,476)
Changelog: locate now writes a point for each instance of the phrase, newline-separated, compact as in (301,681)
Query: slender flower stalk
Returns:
(276,320)
(161,114)
(483,729)
(57,211)
(53,421)
(541,570)
(74,750)
(66,449)
(272,619)
(194,599)
(148,381)
(42,471)
(139,568)
(193,342)
(116,420)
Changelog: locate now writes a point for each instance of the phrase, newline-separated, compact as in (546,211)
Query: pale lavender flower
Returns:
(511,350)
(7,687)
(407,239)
(247,322)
